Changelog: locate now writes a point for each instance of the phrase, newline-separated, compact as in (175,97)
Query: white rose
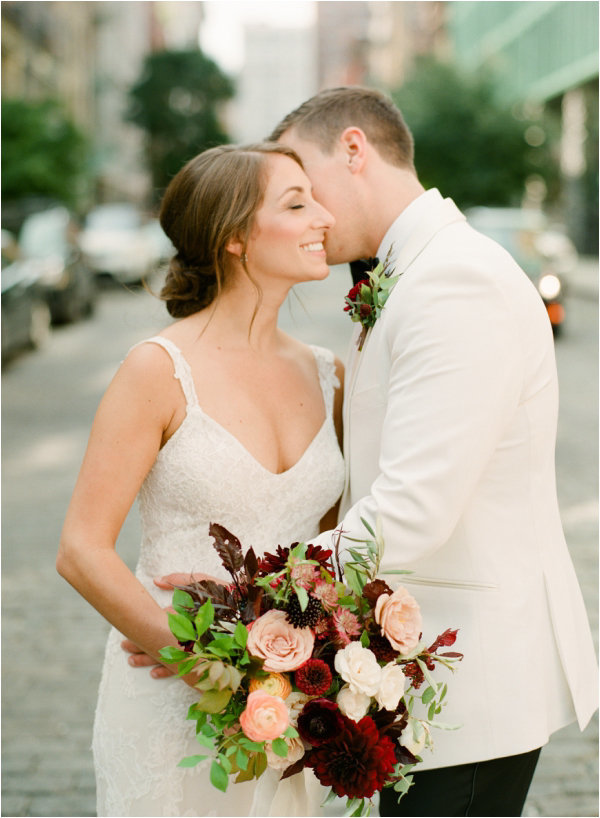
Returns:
(358,666)
(352,704)
(391,687)
(415,736)
(295,753)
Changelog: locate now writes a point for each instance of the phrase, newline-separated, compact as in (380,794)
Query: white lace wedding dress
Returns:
(203,474)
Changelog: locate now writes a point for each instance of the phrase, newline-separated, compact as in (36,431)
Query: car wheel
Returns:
(39,324)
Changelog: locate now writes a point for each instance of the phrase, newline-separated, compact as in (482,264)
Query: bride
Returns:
(220,418)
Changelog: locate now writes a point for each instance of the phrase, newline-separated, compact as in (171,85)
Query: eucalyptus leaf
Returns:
(428,695)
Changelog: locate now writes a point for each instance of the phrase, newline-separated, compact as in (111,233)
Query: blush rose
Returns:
(281,645)
(399,618)
(265,717)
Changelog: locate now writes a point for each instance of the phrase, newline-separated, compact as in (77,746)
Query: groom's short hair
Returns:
(322,118)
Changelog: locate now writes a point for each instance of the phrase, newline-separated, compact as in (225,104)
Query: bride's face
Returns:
(290,227)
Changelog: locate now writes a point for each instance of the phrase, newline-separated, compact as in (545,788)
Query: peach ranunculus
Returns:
(282,646)
(265,717)
(399,618)
(276,684)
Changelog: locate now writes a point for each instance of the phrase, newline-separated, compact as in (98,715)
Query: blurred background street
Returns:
(102,102)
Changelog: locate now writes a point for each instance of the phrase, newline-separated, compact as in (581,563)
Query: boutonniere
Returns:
(367,298)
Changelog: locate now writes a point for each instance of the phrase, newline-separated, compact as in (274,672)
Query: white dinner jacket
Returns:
(450,424)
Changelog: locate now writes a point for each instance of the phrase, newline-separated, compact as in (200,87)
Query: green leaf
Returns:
(205,741)
(364,639)
(241,634)
(191,761)
(241,759)
(432,711)
(225,762)
(291,732)
(280,747)
(302,595)
(181,627)
(172,654)
(181,599)
(331,796)
(254,746)
(428,695)
(187,667)
(218,776)
(205,617)
(367,526)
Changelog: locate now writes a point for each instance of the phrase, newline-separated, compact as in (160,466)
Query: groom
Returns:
(449,433)
(450,423)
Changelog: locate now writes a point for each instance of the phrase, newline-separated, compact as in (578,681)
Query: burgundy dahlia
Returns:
(272,563)
(314,677)
(319,721)
(356,761)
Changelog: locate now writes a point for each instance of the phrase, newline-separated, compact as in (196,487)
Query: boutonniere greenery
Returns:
(367,298)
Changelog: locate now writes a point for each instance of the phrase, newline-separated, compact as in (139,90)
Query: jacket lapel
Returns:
(445,212)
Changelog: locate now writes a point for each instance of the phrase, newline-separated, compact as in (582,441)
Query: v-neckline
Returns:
(248,453)
(195,406)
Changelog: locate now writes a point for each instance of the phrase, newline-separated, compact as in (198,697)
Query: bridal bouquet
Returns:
(305,661)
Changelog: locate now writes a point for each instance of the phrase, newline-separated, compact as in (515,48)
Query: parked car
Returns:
(48,246)
(25,311)
(546,255)
(117,242)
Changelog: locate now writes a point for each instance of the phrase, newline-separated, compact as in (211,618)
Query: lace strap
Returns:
(327,376)
(182,369)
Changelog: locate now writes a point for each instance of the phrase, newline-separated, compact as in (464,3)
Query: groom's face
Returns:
(333,186)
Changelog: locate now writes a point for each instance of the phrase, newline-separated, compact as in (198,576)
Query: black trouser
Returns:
(485,788)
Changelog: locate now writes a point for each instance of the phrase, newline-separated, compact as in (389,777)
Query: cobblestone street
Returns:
(53,641)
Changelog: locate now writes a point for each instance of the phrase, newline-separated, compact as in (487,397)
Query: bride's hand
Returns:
(140,659)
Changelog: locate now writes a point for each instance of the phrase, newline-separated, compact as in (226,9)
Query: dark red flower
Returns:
(272,563)
(356,761)
(365,310)
(413,672)
(319,721)
(354,293)
(382,648)
(314,677)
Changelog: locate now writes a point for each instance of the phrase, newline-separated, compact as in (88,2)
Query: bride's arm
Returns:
(329,520)
(130,425)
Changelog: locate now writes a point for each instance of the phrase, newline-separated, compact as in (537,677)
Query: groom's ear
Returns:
(353,142)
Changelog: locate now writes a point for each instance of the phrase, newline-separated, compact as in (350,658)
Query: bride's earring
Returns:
(244,258)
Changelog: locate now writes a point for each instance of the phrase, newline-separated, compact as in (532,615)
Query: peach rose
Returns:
(265,717)
(275,684)
(399,617)
(279,643)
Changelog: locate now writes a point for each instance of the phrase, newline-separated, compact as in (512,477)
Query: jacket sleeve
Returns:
(455,380)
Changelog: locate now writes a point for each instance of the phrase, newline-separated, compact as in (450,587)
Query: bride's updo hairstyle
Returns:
(210,202)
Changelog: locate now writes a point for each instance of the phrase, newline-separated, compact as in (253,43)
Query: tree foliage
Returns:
(176,102)
(468,143)
(43,152)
